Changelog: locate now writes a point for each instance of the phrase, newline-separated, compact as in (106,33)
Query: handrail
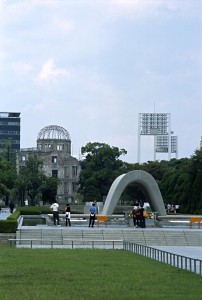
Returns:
(179,261)
(65,242)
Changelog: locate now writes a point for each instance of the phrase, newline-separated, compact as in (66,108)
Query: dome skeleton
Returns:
(53,132)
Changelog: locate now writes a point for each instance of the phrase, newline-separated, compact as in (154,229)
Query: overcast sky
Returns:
(92,66)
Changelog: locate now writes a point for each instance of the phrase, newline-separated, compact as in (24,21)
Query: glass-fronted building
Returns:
(10,131)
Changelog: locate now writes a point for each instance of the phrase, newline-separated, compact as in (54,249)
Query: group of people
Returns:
(55,210)
(139,216)
(172,208)
(56,220)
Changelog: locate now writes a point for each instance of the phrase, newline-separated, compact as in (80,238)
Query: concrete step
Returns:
(137,235)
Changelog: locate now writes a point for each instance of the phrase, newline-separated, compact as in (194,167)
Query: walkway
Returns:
(4,215)
(189,251)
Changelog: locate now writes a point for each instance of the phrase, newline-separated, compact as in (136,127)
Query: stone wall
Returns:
(4,237)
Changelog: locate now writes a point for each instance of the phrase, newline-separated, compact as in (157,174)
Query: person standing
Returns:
(55,209)
(92,215)
(11,207)
(142,213)
(68,215)
(135,216)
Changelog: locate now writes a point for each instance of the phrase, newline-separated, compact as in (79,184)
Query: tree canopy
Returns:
(179,180)
(99,169)
(8,171)
(33,182)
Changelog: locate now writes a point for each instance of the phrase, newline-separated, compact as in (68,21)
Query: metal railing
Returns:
(66,243)
(176,260)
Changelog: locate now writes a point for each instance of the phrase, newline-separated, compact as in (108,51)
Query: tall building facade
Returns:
(10,131)
(54,149)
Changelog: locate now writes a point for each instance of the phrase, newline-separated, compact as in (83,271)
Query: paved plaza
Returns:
(188,251)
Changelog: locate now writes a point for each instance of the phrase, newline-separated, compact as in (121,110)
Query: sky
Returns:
(92,66)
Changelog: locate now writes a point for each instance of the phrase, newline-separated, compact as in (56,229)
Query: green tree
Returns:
(49,189)
(99,169)
(33,182)
(195,175)
(8,176)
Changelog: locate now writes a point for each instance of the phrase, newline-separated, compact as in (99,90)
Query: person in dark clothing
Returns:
(68,215)
(11,207)
(142,217)
(92,215)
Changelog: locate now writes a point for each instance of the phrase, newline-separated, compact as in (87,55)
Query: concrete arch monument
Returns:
(143,180)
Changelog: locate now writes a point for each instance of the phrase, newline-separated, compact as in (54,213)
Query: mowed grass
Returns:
(91,274)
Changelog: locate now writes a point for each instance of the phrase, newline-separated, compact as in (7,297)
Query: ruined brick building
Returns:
(54,149)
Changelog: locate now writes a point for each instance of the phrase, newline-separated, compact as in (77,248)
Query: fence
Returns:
(176,260)
(66,243)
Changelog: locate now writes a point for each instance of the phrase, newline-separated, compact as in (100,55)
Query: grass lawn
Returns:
(91,274)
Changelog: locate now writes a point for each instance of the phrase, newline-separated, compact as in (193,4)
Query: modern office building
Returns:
(10,131)
(54,149)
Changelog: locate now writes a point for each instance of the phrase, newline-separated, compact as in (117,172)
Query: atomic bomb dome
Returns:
(54,150)
(53,132)
(52,138)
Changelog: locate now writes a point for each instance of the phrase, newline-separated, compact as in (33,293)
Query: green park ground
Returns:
(91,274)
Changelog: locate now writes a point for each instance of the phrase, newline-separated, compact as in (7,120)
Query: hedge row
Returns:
(8,226)
(11,224)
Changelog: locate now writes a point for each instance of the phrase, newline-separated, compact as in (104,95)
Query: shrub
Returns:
(45,210)
(29,210)
(14,215)
(8,226)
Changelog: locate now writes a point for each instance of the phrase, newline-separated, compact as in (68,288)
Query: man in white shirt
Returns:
(55,209)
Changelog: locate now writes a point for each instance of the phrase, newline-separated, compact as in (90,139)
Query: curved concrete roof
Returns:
(143,180)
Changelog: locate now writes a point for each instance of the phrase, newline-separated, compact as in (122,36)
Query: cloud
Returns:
(49,72)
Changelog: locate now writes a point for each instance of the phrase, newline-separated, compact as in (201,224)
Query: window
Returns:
(66,171)
(54,159)
(47,146)
(65,188)
(23,158)
(54,173)
(74,170)
(60,147)
(74,186)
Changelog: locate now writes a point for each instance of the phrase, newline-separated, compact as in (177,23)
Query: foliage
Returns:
(15,215)
(99,169)
(8,226)
(30,178)
(29,210)
(179,180)
(49,189)
(7,176)
(33,182)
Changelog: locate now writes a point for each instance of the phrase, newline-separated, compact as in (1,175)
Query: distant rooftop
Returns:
(9,114)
